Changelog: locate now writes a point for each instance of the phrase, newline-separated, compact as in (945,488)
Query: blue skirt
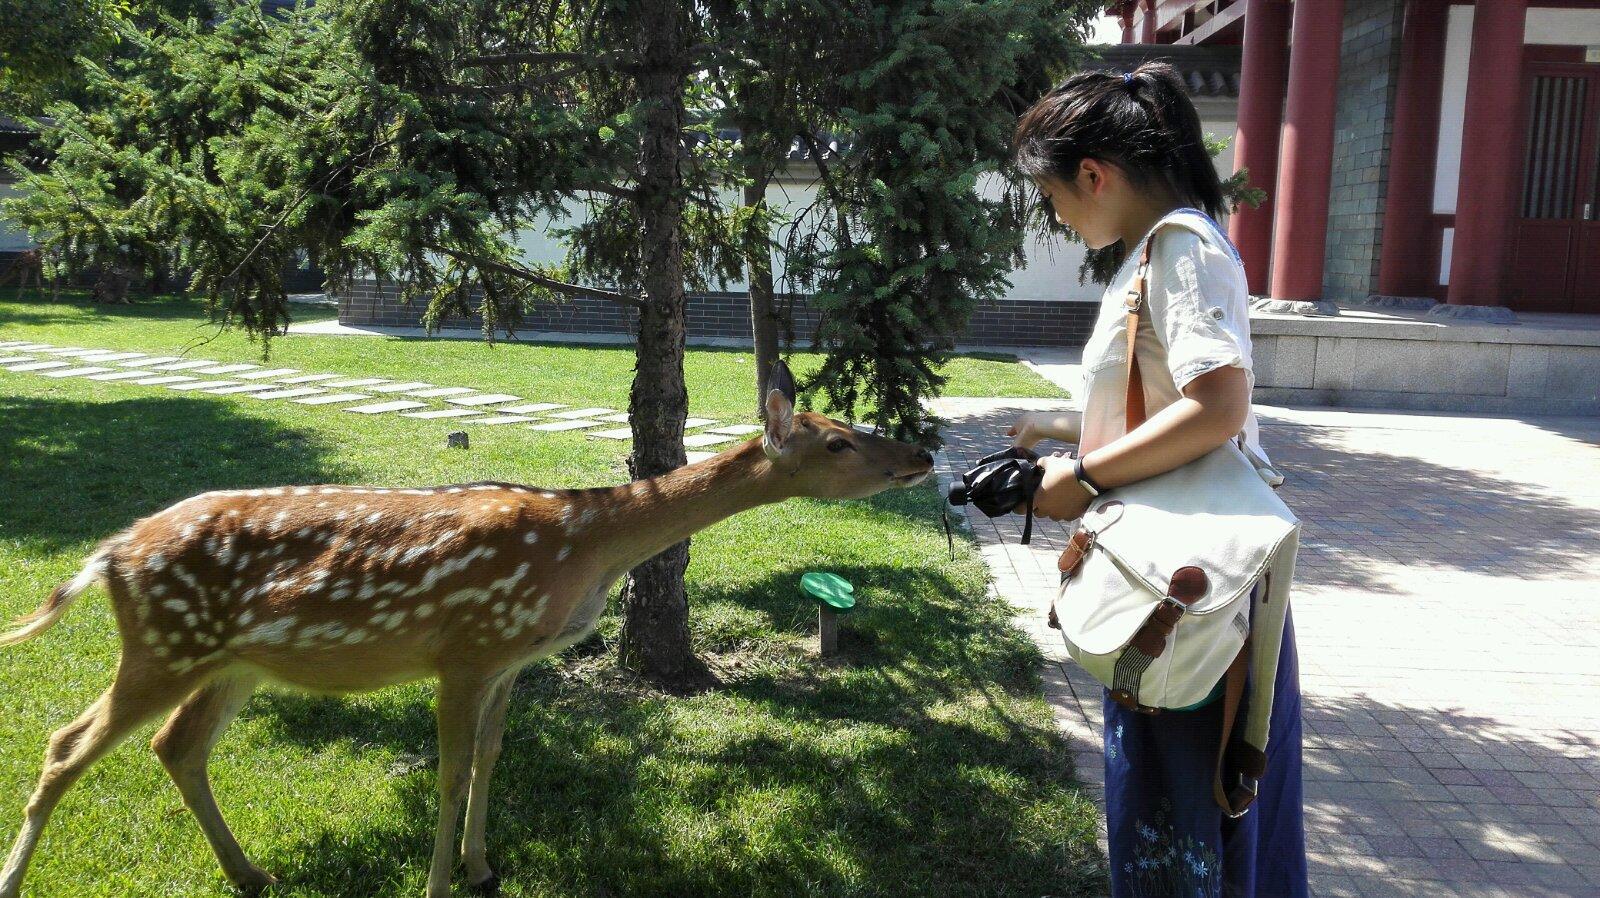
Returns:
(1167,836)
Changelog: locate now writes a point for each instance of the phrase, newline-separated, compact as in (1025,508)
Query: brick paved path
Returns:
(1448,609)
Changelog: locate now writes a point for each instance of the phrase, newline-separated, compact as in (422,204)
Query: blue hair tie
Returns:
(1127,77)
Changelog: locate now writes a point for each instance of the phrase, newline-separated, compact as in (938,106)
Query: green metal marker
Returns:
(834,596)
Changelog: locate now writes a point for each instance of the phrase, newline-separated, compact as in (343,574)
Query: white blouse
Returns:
(1196,319)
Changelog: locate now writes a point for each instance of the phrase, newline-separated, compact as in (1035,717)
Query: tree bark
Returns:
(655,629)
(764,318)
(112,286)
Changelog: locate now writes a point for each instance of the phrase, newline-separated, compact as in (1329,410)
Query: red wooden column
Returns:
(1300,226)
(1486,202)
(1127,25)
(1262,75)
(1404,266)
(1148,32)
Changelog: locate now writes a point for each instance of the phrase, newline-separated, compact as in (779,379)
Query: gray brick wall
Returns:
(1002,323)
(1368,66)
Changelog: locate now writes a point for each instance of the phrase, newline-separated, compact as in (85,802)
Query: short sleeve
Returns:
(1198,305)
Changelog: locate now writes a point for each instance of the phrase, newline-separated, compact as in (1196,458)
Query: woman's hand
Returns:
(1060,497)
(1032,427)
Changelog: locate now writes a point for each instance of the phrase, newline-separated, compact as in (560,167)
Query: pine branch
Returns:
(533,277)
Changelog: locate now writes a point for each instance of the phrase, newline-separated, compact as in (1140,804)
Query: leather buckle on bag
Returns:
(1244,794)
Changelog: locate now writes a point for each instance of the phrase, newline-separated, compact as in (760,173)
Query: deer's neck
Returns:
(653,514)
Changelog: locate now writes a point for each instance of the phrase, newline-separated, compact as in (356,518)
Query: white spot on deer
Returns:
(178,606)
(302,533)
(565,551)
(547,494)
(191,620)
(158,590)
(160,651)
(275,632)
(413,553)
(484,486)
(302,491)
(328,490)
(355,636)
(187,531)
(174,637)
(151,637)
(367,591)
(423,612)
(323,504)
(338,595)
(245,618)
(454,489)
(155,562)
(464,595)
(531,537)
(505,508)
(382,492)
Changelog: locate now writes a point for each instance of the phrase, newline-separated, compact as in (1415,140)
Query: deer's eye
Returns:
(839,444)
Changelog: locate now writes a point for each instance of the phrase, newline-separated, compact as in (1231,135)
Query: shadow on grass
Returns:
(81,470)
(910,765)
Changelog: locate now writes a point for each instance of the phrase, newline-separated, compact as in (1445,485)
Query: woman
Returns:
(1121,159)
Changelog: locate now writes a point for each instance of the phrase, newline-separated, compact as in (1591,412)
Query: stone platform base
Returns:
(1392,358)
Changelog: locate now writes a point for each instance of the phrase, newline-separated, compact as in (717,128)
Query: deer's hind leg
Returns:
(491,730)
(144,688)
(461,700)
(184,746)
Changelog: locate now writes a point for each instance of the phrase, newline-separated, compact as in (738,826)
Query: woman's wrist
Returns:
(1086,478)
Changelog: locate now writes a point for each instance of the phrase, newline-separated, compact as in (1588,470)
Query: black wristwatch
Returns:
(1084,480)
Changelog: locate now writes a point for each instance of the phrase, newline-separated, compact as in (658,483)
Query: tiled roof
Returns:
(1210,71)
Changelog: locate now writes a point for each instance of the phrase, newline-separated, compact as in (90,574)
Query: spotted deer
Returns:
(348,589)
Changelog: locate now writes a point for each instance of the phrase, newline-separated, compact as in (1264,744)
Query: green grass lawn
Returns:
(923,762)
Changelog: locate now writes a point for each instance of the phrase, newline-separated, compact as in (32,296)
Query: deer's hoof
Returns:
(488,888)
(254,881)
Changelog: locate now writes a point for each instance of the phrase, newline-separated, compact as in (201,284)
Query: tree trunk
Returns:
(655,627)
(764,318)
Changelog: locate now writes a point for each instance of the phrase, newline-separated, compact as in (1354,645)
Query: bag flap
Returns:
(1101,607)
(1215,513)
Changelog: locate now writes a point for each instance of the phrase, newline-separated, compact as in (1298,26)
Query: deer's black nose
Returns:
(925,456)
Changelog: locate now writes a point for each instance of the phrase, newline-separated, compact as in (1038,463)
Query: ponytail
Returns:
(1142,122)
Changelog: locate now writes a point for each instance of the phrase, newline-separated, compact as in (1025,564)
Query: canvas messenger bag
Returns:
(1158,599)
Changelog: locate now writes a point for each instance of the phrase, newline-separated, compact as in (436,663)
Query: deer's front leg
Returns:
(461,703)
(491,729)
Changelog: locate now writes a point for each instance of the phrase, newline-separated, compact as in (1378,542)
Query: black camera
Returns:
(998,483)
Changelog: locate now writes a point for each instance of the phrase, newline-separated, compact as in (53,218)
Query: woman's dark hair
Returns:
(1142,122)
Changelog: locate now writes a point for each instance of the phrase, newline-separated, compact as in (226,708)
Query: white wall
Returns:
(11,240)
(1050,275)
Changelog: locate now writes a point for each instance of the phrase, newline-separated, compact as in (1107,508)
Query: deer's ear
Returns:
(780,421)
(782,380)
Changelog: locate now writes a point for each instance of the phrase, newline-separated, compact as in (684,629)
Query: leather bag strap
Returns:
(1133,304)
(1236,800)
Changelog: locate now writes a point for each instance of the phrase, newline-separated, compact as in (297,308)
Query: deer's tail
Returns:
(61,598)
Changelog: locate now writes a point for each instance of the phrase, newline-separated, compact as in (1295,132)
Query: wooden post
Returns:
(827,631)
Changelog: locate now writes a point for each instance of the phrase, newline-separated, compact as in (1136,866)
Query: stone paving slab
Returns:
(150,362)
(291,393)
(225,369)
(583,413)
(399,388)
(77,372)
(530,408)
(438,392)
(17,359)
(379,408)
(1448,658)
(483,399)
(619,433)
(165,379)
(502,419)
(571,424)
(185,365)
(355,382)
(330,398)
(442,413)
(120,375)
(266,373)
(37,366)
